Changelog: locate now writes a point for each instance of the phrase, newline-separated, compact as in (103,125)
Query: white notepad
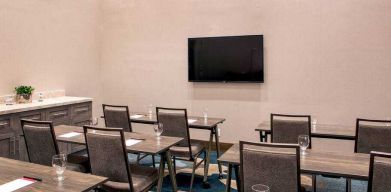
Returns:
(136,116)
(69,135)
(16,184)
(191,120)
(130,142)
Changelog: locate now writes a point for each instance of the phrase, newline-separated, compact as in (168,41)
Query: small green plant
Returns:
(24,90)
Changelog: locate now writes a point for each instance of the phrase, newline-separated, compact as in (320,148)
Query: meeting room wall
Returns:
(50,45)
(330,59)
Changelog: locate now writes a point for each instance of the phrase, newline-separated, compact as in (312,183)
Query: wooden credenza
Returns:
(12,143)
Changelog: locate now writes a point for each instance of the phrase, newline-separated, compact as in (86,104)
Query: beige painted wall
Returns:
(50,45)
(330,59)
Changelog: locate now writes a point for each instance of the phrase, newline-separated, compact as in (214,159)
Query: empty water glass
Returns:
(40,97)
(158,128)
(59,163)
(205,113)
(304,142)
(150,110)
(94,121)
(314,123)
(260,188)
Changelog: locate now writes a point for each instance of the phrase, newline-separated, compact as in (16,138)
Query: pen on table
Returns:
(33,178)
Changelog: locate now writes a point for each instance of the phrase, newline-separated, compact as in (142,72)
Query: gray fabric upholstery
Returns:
(118,118)
(373,138)
(174,125)
(107,159)
(41,146)
(288,131)
(276,169)
(141,176)
(183,152)
(381,176)
(103,150)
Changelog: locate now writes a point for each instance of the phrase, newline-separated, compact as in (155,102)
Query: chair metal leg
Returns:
(238,179)
(138,158)
(314,183)
(193,173)
(153,161)
(174,162)
(348,184)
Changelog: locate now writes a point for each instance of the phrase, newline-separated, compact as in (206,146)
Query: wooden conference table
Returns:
(320,131)
(195,122)
(74,181)
(149,145)
(346,165)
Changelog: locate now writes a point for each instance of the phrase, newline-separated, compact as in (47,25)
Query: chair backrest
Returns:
(380,172)
(107,153)
(287,128)
(274,165)
(174,124)
(40,141)
(117,116)
(372,135)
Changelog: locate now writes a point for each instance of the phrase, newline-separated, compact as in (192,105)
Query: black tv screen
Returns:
(226,59)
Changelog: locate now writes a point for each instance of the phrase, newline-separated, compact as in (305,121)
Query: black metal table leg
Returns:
(229,177)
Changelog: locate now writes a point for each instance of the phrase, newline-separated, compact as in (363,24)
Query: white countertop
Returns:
(47,103)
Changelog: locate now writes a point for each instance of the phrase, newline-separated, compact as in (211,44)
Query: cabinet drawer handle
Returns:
(3,124)
(82,110)
(59,114)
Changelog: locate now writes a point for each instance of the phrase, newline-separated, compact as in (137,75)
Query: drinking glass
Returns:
(40,97)
(150,109)
(205,113)
(314,123)
(158,128)
(59,163)
(304,142)
(94,121)
(260,188)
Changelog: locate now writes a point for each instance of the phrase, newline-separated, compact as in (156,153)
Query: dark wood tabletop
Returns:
(74,181)
(200,122)
(321,130)
(348,165)
(149,144)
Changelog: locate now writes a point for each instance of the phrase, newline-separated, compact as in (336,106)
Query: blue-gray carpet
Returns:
(184,175)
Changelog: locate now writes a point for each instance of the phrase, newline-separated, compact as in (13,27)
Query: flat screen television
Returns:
(226,59)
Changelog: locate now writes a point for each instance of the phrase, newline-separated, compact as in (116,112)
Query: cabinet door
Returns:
(7,145)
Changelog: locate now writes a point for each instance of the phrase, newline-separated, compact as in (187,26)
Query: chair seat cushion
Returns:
(183,152)
(143,178)
(80,158)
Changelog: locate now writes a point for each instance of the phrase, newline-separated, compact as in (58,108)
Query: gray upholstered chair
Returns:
(287,128)
(379,172)
(175,124)
(274,165)
(41,145)
(372,135)
(108,157)
(119,117)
